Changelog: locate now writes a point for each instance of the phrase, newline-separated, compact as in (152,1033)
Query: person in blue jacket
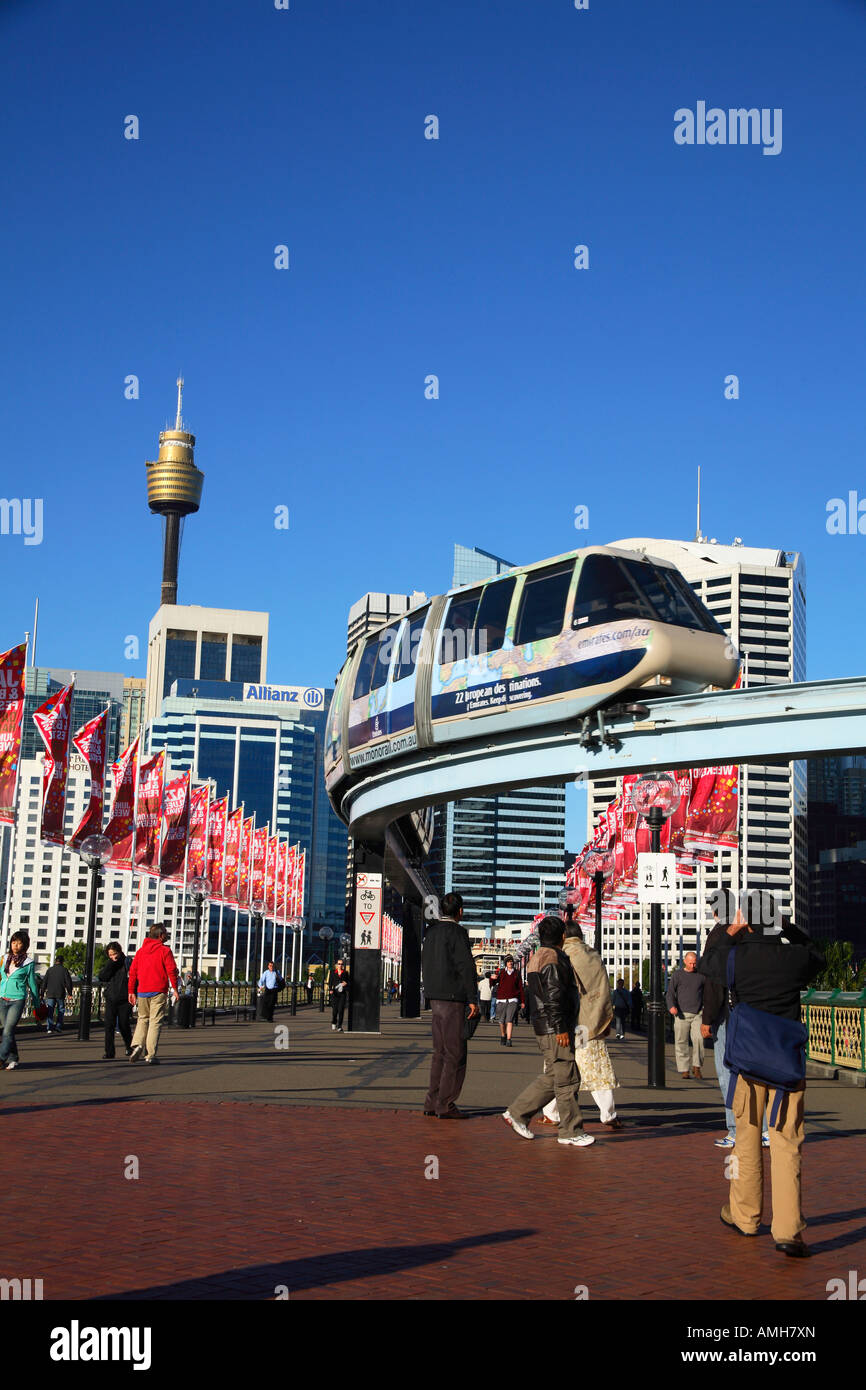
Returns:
(17,978)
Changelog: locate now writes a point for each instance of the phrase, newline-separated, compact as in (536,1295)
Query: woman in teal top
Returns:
(17,978)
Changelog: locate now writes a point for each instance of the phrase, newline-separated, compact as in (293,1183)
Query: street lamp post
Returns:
(257,907)
(297,929)
(600,864)
(326,933)
(655,798)
(200,889)
(96,851)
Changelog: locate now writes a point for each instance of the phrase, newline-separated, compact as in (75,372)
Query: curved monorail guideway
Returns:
(602,661)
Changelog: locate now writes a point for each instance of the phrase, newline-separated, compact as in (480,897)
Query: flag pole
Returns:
(13,824)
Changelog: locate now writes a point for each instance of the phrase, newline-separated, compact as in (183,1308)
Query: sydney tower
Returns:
(174,487)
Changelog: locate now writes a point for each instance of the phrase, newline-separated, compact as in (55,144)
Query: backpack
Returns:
(760,1046)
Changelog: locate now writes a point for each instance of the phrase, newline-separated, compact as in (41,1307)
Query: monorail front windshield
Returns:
(611,588)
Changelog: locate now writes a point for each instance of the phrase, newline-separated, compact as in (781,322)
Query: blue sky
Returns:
(408,256)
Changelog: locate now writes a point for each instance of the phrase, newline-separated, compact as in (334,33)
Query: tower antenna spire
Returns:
(178,424)
(698,536)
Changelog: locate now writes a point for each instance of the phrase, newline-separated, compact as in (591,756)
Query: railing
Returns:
(836,1020)
(213,996)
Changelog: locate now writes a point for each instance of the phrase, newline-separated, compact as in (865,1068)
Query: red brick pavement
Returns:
(234,1200)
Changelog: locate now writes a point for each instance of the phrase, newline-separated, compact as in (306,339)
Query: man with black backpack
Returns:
(763,972)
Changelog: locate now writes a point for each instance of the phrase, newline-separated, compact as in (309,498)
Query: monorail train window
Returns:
(542,607)
(455,637)
(410,646)
(493,615)
(609,589)
(384,653)
(701,612)
(366,669)
(673,600)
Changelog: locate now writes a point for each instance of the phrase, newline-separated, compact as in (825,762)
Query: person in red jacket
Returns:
(509,997)
(152,972)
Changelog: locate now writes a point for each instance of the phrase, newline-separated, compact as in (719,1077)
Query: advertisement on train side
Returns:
(558,665)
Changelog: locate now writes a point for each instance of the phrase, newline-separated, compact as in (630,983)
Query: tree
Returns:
(841,970)
(74,953)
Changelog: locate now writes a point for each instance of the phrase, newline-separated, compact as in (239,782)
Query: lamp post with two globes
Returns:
(257,908)
(96,851)
(655,798)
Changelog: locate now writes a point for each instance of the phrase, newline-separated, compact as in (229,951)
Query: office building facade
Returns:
(188,642)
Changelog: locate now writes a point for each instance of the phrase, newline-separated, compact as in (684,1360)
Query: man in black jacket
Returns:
(771,967)
(554,1000)
(56,985)
(451,984)
(115,978)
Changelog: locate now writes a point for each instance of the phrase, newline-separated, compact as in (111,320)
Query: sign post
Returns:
(365,970)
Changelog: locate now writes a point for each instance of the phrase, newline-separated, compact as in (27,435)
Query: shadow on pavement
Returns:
(262,1281)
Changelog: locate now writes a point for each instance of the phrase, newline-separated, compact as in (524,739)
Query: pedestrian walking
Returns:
(451,984)
(621,1008)
(729,926)
(310,983)
(594,1019)
(56,988)
(114,977)
(338,985)
(684,999)
(553,1009)
(509,998)
(763,976)
(484,993)
(17,979)
(493,978)
(152,974)
(270,982)
(636,1007)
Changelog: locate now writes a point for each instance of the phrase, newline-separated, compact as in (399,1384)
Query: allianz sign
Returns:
(311,696)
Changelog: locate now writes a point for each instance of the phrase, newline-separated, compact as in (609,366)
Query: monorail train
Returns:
(540,644)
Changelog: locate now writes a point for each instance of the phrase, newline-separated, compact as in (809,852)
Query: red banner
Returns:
(216,834)
(91,742)
(11,716)
(260,855)
(148,813)
(271,890)
(196,864)
(233,850)
(54,724)
(300,875)
(291,870)
(245,877)
(120,818)
(175,828)
(282,884)
(713,809)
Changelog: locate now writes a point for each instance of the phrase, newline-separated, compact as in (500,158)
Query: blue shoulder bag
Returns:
(763,1047)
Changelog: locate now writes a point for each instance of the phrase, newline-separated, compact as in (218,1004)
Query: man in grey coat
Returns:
(684,1000)
(451,984)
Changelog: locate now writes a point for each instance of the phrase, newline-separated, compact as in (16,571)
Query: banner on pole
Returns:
(54,724)
(216,830)
(175,828)
(91,741)
(121,821)
(12,664)
(233,850)
(196,864)
(148,813)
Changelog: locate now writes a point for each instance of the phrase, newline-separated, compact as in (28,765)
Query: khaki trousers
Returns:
(751,1099)
(688,1029)
(151,1012)
(560,1078)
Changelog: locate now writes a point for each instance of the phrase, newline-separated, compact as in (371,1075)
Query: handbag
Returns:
(40,1012)
(763,1047)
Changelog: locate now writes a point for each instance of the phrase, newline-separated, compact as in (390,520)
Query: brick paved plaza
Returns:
(265,1169)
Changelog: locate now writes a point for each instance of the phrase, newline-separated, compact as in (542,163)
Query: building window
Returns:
(246,658)
(214,648)
(179,657)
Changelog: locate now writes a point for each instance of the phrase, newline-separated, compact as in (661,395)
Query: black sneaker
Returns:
(108,1056)
(152,1061)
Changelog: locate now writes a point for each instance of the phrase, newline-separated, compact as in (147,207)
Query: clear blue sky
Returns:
(409,256)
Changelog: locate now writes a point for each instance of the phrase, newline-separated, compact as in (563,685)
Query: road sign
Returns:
(368,911)
(656,878)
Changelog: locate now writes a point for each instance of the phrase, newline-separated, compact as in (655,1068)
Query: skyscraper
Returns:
(758,596)
(188,642)
(373,610)
(496,850)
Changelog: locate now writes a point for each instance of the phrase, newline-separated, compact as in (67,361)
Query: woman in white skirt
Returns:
(596,1013)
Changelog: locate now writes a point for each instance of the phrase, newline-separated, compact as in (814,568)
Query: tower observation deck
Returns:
(174,487)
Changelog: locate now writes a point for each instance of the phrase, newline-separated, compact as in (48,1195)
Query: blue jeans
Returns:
(50,1003)
(10,1012)
(725,1077)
